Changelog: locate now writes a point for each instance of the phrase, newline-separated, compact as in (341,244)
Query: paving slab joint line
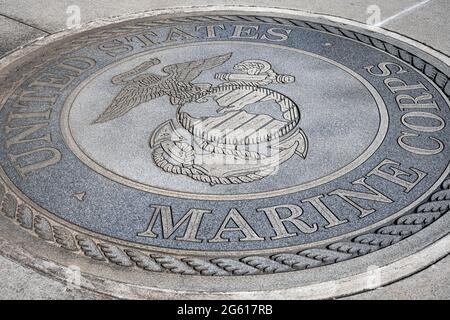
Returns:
(25,23)
(103,21)
(402,13)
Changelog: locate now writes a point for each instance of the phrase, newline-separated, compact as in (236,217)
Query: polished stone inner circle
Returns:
(336,106)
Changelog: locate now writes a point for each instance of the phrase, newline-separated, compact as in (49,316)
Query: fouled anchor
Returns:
(235,146)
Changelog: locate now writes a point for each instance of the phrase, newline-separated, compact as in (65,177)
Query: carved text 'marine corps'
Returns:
(422,116)
(288,219)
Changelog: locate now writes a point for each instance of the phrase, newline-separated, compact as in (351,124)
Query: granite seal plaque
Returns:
(225,147)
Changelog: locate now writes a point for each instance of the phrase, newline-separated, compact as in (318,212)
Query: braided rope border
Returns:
(437,205)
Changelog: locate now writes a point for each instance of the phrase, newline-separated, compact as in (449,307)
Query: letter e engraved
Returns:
(245,32)
(396,174)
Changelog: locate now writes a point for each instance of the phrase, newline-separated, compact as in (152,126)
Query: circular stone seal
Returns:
(225,153)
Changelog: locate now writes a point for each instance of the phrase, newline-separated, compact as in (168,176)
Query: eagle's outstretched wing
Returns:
(188,71)
(129,97)
(138,91)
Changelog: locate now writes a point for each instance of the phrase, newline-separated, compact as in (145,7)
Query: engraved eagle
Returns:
(176,84)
